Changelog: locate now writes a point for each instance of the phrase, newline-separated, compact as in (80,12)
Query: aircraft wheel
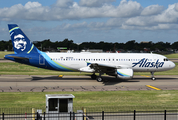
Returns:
(153,78)
(99,79)
(93,76)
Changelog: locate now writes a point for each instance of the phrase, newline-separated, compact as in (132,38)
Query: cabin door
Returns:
(41,60)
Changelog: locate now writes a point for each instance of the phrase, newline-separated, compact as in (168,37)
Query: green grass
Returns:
(2,53)
(122,100)
(175,55)
(13,68)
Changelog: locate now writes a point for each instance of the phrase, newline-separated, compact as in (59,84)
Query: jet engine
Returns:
(124,73)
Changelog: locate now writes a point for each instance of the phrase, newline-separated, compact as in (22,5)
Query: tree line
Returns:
(47,45)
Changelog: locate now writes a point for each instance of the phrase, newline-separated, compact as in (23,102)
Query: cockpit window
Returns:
(165,59)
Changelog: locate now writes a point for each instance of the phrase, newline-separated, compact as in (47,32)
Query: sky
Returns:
(92,20)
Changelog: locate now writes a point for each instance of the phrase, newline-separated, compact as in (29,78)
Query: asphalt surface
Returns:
(39,83)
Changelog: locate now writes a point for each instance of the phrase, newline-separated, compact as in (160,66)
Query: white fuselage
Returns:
(139,62)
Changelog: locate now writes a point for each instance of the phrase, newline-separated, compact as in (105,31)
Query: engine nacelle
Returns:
(124,73)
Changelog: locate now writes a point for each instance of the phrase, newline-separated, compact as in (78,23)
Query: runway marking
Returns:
(60,76)
(153,87)
(145,75)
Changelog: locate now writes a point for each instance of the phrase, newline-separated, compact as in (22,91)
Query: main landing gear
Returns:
(93,76)
(152,76)
(98,78)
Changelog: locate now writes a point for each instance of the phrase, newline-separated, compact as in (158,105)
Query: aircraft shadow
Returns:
(108,80)
(159,78)
(35,78)
(113,81)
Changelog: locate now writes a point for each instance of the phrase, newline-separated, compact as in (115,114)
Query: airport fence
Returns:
(94,109)
(131,115)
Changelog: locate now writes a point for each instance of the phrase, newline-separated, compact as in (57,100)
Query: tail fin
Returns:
(20,41)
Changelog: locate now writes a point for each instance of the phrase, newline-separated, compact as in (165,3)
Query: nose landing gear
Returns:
(152,76)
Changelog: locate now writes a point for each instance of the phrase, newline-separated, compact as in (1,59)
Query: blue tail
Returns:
(25,51)
(20,41)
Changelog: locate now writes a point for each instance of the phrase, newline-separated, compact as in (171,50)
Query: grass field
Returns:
(122,100)
(175,55)
(13,68)
(2,54)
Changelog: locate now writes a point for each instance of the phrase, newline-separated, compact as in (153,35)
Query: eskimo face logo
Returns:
(19,42)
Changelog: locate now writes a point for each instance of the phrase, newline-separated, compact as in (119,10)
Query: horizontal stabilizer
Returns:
(18,57)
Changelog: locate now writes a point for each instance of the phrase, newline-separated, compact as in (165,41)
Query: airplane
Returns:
(120,65)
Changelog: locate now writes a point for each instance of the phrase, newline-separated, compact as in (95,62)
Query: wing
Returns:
(105,67)
(121,71)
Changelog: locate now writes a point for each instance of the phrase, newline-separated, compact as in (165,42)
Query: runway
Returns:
(47,83)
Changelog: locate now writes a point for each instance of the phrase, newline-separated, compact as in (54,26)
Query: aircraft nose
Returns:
(172,65)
